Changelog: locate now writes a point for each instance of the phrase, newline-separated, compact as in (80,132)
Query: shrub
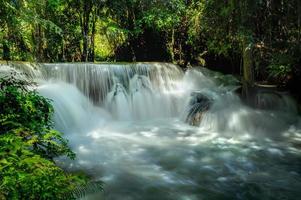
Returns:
(28,145)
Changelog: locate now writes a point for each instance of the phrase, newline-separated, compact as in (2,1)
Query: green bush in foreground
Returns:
(26,175)
(28,145)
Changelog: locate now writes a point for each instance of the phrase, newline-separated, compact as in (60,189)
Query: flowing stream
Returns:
(128,125)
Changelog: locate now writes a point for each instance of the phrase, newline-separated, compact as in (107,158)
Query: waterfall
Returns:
(145,91)
(129,126)
(73,111)
(127,91)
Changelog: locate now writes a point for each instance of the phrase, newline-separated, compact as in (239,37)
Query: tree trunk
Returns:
(92,40)
(131,26)
(85,43)
(40,55)
(85,21)
(6,49)
(248,71)
(172,45)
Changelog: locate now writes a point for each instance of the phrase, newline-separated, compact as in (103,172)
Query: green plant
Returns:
(26,175)
(25,112)
(281,67)
(28,145)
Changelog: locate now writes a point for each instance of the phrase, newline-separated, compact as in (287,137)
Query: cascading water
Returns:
(127,124)
(132,91)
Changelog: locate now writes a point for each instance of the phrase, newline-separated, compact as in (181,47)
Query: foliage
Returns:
(26,175)
(281,66)
(271,29)
(29,115)
(180,31)
(28,145)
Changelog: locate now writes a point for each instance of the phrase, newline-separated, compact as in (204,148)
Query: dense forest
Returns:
(262,36)
(258,41)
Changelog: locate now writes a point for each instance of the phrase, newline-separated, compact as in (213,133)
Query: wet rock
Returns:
(198,105)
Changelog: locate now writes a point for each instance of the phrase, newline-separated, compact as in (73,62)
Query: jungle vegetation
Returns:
(260,39)
(29,144)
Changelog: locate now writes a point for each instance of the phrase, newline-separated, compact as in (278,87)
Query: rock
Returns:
(199,103)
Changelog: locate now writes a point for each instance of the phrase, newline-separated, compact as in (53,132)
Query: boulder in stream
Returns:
(199,103)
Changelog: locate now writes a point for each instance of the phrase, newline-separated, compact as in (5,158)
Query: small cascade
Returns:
(97,80)
(30,70)
(118,102)
(275,100)
(73,111)
(211,98)
(128,91)
(143,98)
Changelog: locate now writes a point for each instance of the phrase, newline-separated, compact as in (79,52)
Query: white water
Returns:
(126,124)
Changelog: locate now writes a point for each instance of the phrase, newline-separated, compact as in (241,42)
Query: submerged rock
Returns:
(199,103)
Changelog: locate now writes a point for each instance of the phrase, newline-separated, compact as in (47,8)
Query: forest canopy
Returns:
(262,34)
